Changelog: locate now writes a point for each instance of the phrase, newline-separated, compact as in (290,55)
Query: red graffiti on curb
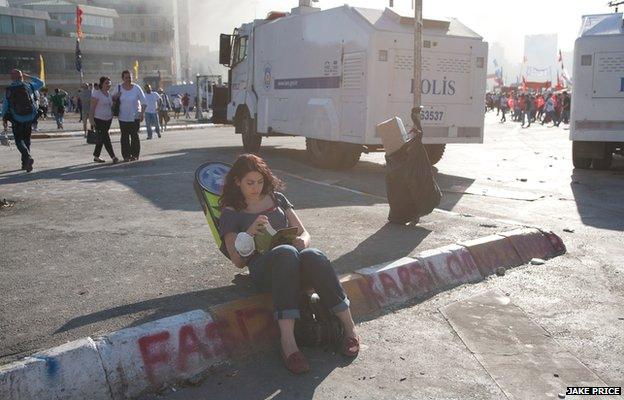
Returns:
(418,278)
(154,351)
(198,347)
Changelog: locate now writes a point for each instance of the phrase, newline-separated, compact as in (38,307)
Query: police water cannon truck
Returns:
(597,113)
(332,75)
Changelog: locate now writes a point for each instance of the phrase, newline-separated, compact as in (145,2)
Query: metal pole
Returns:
(417,52)
(197,98)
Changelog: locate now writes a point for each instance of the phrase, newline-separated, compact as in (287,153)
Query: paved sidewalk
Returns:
(72,124)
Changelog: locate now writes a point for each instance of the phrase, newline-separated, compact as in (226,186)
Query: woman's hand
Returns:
(258,225)
(299,243)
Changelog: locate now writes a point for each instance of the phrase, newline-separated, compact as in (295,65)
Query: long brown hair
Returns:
(244,164)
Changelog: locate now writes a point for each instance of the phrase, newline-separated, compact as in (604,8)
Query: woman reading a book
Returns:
(250,203)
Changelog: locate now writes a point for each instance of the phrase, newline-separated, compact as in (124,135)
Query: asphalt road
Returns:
(90,248)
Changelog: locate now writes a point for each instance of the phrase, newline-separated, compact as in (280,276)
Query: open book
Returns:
(271,238)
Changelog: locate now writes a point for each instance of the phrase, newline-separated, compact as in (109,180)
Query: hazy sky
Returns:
(496,20)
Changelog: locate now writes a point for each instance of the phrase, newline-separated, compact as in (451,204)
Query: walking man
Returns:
(153,102)
(85,101)
(58,106)
(186,102)
(163,112)
(19,108)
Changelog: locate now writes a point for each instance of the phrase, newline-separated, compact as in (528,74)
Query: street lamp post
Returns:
(417,55)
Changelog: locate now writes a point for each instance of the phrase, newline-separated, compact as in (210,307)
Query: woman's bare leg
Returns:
(287,336)
(347,321)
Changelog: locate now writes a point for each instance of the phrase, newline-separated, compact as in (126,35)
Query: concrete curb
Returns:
(185,347)
(115,131)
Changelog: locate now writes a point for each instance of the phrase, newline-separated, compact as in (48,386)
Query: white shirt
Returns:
(151,102)
(104,107)
(131,101)
(177,102)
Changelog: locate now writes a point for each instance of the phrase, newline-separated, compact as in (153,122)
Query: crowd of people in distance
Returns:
(530,107)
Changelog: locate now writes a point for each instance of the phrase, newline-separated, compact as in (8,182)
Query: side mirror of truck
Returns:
(225,49)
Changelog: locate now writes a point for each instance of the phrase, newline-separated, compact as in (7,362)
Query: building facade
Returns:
(116,35)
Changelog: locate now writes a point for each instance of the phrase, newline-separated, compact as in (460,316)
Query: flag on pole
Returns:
(560,56)
(78,57)
(79,22)
(136,69)
(41,68)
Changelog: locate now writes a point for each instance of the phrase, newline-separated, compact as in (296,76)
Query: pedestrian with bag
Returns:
(131,112)
(19,107)
(250,204)
(101,116)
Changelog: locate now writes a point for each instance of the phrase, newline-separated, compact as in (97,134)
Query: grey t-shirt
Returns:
(239,221)
(85,99)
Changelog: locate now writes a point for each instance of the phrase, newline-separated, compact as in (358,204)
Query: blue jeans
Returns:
(21,136)
(151,119)
(284,271)
(59,119)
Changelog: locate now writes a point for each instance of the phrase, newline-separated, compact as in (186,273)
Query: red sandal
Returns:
(296,363)
(350,346)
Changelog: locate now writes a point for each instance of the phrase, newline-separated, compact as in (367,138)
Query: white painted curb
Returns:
(157,354)
(70,371)
(450,266)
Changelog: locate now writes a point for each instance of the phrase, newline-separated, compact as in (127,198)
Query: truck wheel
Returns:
(435,152)
(350,157)
(332,155)
(251,140)
(577,160)
(605,162)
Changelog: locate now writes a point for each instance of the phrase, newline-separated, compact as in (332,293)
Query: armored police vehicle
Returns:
(332,75)
(597,114)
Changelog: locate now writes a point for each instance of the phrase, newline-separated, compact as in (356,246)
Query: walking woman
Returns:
(131,114)
(250,202)
(101,116)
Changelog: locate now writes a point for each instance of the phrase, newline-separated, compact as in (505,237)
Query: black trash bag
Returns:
(410,185)
(317,325)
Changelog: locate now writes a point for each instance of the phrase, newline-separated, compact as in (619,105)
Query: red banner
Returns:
(78,22)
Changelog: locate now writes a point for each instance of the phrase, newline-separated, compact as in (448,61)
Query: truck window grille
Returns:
(406,62)
(454,64)
(610,63)
(353,71)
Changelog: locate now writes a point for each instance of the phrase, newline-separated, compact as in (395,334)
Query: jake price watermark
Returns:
(594,390)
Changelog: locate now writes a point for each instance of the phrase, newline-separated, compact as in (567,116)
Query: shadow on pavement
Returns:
(263,376)
(166,306)
(174,171)
(389,243)
(598,204)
